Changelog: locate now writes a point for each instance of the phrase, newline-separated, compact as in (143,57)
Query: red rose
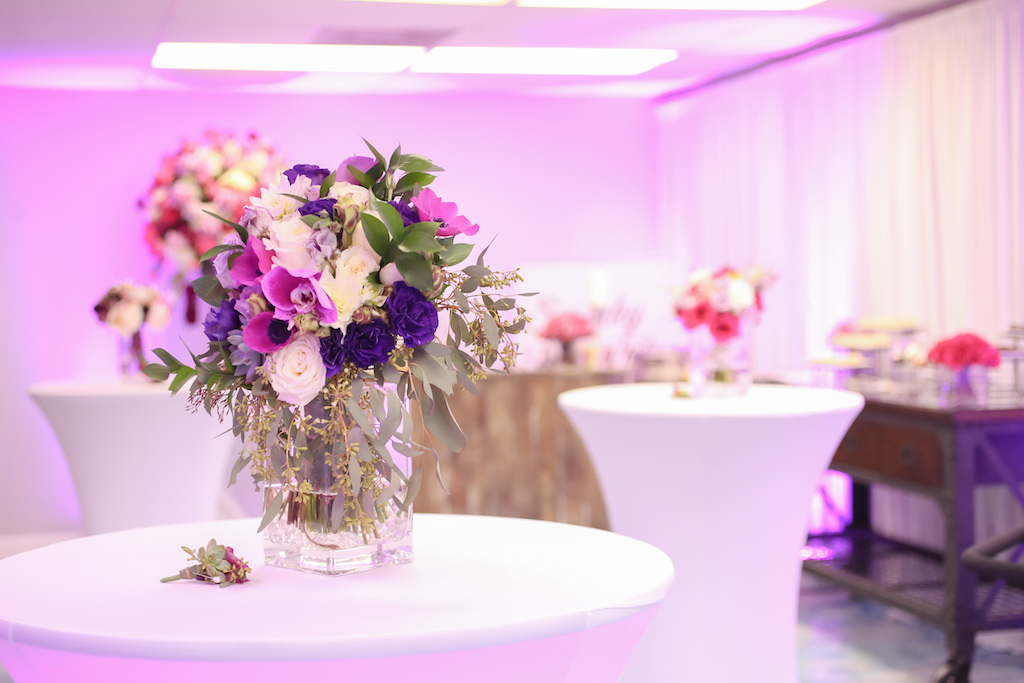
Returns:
(724,326)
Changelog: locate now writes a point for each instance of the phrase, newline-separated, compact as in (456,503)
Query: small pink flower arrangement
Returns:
(720,299)
(961,350)
(567,327)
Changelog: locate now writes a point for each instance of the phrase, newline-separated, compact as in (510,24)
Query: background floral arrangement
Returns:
(567,327)
(215,174)
(126,307)
(327,302)
(961,350)
(719,299)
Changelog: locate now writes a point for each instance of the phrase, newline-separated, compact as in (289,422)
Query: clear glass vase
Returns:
(719,368)
(332,513)
(966,387)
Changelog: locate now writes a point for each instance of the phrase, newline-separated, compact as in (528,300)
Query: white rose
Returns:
(297,371)
(358,261)
(273,198)
(288,239)
(125,317)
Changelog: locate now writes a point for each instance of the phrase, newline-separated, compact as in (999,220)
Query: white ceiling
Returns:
(107,44)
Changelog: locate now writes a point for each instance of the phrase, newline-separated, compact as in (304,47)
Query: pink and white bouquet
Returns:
(126,307)
(328,300)
(720,299)
(567,327)
(961,350)
(214,175)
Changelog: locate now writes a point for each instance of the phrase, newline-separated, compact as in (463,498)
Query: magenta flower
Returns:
(252,264)
(431,208)
(293,295)
(266,334)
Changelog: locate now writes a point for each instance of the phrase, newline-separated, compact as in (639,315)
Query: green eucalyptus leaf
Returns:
(272,509)
(437,349)
(413,487)
(182,376)
(355,473)
(463,303)
(436,373)
(516,327)
(390,424)
(416,271)
(476,271)
(441,423)
(239,465)
(490,329)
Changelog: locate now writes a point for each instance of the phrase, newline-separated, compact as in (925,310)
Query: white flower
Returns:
(297,371)
(288,240)
(179,250)
(358,261)
(740,295)
(346,291)
(158,313)
(125,317)
(348,194)
(238,179)
(279,206)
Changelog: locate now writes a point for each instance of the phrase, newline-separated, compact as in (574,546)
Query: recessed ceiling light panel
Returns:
(285,57)
(724,5)
(542,60)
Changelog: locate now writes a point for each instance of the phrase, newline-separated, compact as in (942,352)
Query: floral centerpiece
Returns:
(722,304)
(326,345)
(214,175)
(967,358)
(125,308)
(566,328)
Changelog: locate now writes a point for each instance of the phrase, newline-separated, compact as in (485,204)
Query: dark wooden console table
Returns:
(942,453)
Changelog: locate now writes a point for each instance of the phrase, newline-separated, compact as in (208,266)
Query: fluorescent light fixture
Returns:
(726,5)
(576,61)
(480,3)
(284,57)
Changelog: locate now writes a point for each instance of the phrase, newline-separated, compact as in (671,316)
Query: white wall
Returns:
(553,179)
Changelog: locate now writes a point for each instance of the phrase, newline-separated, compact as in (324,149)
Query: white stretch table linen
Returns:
(138,456)
(723,485)
(486,599)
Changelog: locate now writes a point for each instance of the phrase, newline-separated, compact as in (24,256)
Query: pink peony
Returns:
(724,326)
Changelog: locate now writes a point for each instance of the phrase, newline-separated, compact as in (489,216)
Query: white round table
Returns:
(723,485)
(485,599)
(138,456)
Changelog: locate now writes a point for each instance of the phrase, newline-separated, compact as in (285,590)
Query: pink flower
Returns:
(566,327)
(961,350)
(343,175)
(697,315)
(266,334)
(431,208)
(293,294)
(253,263)
(724,326)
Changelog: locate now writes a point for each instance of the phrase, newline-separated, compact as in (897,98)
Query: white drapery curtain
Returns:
(883,176)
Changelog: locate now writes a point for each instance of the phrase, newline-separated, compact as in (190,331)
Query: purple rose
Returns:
(332,351)
(369,344)
(318,205)
(408,213)
(220,321)
(311,171)
(411,315)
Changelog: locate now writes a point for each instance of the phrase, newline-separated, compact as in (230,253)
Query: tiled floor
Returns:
(847,640)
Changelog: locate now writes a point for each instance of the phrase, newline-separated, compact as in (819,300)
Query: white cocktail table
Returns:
(723,485)
(137,455)
(485,599)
